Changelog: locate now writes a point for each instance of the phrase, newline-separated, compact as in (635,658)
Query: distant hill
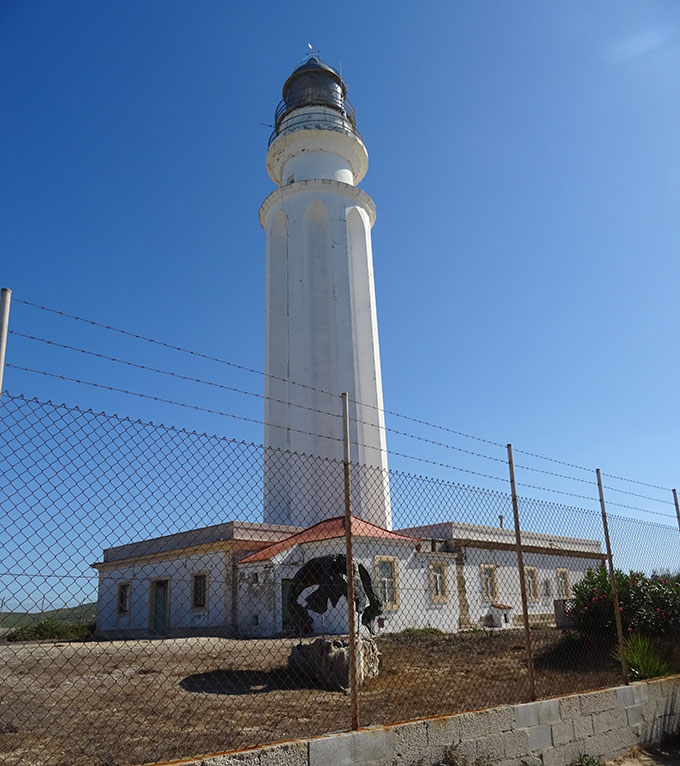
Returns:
(73,615)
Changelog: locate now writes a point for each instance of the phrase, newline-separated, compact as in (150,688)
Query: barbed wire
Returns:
(392,413)
(235,389)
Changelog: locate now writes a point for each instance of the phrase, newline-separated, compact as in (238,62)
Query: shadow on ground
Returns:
(237,682)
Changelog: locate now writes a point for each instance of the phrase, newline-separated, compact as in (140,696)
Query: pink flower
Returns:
(620,609)
(630,630)
(657,609)
(585,608)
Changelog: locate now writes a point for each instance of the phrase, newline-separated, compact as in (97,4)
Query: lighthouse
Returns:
(321,329)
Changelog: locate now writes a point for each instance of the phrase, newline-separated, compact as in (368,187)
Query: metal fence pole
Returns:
(522,578)
(677,506)
(5,300)
(353,675)
(612,580)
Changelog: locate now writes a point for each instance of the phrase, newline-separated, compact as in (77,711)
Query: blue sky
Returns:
(524,163)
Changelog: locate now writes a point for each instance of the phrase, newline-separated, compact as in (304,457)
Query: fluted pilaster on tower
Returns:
(321,321)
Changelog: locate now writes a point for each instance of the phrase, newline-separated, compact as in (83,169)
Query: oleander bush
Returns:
(649,605)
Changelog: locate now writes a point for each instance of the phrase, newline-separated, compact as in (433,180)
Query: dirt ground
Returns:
(133,702)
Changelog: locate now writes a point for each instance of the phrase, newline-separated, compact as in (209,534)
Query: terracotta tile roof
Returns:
(502,606)
(327,529)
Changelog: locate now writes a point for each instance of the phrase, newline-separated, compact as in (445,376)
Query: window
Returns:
(199,591)
(124,598)
(563,586)
(386,575)
(489,584)
(438,584)
(531,581)
(547,588)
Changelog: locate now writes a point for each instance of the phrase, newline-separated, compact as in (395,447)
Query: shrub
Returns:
(49,628)
(642,659)
(649,605)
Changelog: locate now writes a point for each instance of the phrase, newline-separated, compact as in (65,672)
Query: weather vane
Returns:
(313,51)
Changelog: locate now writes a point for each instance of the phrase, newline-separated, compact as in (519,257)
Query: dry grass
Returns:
(123,703)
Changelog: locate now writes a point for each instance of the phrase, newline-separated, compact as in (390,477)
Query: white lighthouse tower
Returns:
(321,323)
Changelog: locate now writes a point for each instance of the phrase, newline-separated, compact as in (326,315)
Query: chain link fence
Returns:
(149,612)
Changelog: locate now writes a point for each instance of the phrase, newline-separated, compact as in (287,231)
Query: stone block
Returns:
(596,702)
(548,711)
(517,744)
(337,749)
(570,707)
(531,760)
(410,744)
(625,695)
(491,748)
(526,715)
(500,719)
(540,737)
(465,753)
(635,715)
(639,692)
(583,727)
(474,725)
(563,733)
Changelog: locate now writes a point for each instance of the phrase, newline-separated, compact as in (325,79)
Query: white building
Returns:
(233,579)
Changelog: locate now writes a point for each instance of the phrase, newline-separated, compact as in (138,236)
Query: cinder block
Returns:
(531,760)
(491,748)
(474,725)
(246,758)
(517,744)
(442,733)
(540,737)
(548,711)
(500,719)
(560,756)
(371,746)
(583,727)
(649,710)
(639,692)
(526,715)
(608,720)
(337,749)
(288,754)
(625,695)
(410,744)
(563,733)
(466,752)
(655,689)
(596,702)
(669,686)
(635,715)
(570,707)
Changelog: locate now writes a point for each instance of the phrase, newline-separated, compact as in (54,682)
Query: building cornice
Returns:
(317,185)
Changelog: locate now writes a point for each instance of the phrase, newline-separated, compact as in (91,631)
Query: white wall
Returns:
(179,572)
(507,578)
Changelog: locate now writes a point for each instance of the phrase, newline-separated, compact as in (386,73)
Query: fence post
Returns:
(612,580)
(5,300)
(677,506)
(353,675)
(522,578)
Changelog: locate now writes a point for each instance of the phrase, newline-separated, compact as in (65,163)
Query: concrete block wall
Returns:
(551,732)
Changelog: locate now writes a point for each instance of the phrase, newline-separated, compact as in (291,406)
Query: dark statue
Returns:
(330,574)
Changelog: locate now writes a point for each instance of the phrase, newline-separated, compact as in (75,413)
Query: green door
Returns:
(286,620)
(159,607)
